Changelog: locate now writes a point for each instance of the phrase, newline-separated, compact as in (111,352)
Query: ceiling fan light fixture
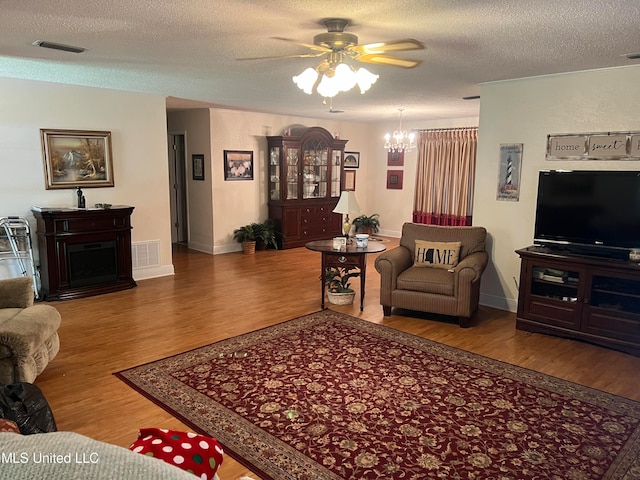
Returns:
(306,80)
(345,76)
(365,79)
(332,81)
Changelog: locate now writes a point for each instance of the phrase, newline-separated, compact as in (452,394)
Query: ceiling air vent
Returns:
(58,46)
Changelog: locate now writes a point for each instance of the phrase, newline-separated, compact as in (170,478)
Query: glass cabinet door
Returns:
(555,283)
(274,174)
(292,172)
(315,156)
(336,164)
(615,293)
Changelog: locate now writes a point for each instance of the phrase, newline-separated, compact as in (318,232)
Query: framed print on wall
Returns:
(509,174)
(349,183)
(197,165)
(351,159)
(238,165)
(76,158)
(394,179)
(395,159)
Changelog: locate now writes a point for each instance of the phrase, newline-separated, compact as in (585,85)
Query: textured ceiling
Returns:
(188,50)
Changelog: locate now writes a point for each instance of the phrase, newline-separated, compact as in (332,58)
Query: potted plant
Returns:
(266,235)
(338,286)
(367,224)
(247,236)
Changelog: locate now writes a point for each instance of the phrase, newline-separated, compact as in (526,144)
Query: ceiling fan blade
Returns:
(302,55)
(388,60)
(317,48)
(386,47)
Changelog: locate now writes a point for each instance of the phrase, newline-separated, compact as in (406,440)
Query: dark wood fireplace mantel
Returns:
(63,232)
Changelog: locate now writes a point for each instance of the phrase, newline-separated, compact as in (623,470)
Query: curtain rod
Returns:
(444,129)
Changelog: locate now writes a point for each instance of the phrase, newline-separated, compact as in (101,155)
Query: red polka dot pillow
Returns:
(191,452)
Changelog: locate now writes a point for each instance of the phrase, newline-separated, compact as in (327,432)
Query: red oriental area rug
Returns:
(329,396)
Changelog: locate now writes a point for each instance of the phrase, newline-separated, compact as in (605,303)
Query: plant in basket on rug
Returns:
(339,289)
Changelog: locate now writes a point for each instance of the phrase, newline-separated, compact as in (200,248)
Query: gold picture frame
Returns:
(77,158)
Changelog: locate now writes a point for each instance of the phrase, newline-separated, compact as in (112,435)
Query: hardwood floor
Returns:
(211,298)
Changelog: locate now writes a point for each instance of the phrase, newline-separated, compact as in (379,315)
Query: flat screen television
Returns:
(589,212)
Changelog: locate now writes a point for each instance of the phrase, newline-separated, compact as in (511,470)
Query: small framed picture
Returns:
(395,159)
(349,183)
(238,165)
(509,171)
(77,158)
(351,159)
(394,179)
(197,164)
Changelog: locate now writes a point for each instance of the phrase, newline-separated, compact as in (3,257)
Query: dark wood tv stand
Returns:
(580,297)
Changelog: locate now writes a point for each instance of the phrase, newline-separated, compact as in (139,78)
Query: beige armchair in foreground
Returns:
(434,269)
(28,333)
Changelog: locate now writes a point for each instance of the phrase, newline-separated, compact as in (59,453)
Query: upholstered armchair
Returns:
(435,269)
(28,333)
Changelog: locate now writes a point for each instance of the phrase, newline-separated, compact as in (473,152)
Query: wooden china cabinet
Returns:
(305,177)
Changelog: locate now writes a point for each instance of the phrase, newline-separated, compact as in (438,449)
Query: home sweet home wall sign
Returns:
(594,146)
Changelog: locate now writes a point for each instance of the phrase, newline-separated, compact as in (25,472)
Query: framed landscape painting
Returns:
(77,158)
(351,159)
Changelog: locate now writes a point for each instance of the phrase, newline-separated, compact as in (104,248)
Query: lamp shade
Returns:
(347,203)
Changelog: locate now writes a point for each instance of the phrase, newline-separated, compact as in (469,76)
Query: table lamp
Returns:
(346,205)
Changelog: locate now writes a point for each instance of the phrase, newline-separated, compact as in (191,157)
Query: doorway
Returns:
(178,188)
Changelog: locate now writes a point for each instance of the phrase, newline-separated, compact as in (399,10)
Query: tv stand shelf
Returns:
(581,297)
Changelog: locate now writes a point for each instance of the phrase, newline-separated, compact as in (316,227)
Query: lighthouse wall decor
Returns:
(509,174)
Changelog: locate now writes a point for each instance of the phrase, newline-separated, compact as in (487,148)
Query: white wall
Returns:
(526,111)
(139,141)
(237,203)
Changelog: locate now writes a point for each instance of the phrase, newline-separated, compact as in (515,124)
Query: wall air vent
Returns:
(145,254)
(58,46)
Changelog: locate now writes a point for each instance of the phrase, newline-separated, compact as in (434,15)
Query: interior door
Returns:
(178,188)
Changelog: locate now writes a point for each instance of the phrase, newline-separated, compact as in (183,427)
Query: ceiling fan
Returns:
(337,44)
(333,75)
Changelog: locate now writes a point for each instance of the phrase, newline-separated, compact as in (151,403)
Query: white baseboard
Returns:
(501,303)
(201,247)
(153,272)
(230,247)
(390,233)
(216,249)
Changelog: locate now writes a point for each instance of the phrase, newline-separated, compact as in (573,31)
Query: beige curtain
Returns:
(445,176)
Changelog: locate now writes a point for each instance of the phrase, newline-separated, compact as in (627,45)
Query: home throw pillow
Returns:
(191,452)
(437,254)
